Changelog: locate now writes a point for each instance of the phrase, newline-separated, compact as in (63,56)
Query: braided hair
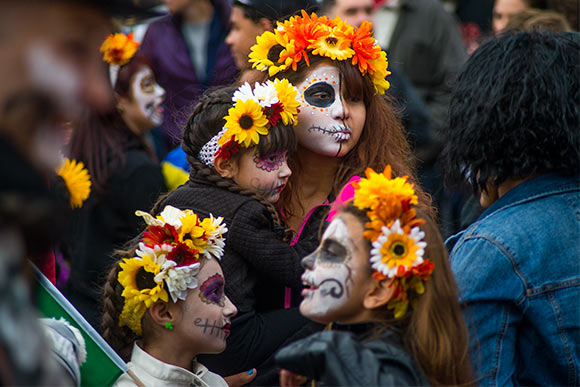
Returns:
(119,338)
(206,121)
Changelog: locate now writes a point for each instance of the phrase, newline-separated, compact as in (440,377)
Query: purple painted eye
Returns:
(271,162)
(212,290)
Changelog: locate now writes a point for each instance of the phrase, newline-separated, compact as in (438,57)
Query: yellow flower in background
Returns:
(245,121)
(119,48)
(287,97)
(77,180)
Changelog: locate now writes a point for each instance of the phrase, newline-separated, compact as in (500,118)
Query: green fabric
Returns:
(103,366)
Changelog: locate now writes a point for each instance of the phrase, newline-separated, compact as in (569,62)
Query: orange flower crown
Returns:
(300,36)
(398,245)
(118,49)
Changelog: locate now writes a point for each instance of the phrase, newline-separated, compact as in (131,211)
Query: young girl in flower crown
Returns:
(381,275)
(165,303)
(237,143)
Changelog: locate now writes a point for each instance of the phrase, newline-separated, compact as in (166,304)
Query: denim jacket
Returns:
(518,271)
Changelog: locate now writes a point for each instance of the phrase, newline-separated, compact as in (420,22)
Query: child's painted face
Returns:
(328,123)
(145,110)
(206,313)
(266,175)
(336,273)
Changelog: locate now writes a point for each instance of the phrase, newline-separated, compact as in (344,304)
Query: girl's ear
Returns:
(162,312)
(226,168)
(379,294)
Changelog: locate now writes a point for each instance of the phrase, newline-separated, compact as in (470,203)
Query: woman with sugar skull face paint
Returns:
(346,124)
(124,175)
(381,276)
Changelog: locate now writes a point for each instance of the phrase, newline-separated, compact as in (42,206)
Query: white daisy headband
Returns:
(254,112)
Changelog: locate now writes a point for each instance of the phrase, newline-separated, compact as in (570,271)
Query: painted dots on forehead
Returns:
(320,89)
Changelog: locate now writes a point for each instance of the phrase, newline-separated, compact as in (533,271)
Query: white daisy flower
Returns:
(180,279)
(216,241)
(266,94)
(244,93)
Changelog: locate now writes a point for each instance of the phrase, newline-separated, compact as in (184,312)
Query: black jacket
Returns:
(105,223)
(253,253)
(351,357)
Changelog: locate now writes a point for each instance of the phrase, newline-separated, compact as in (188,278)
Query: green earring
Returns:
(168,326)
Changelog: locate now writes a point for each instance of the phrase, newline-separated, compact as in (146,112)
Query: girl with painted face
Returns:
(344,124)
(165,302)
(237,142)
(381,276)
(124,173)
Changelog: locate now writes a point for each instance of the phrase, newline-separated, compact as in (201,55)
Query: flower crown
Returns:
(118,49)
(398,244)
(167,260)
(299,36)
(253,114)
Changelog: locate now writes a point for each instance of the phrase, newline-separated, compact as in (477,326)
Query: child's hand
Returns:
(289,379)
(241,379)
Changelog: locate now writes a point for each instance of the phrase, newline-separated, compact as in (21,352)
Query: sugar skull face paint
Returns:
(266,175)
(335,272)
(328,124)
(212,290)
(148,96)
(205,316)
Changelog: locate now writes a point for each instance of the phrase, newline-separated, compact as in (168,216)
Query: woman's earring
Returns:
(168,326)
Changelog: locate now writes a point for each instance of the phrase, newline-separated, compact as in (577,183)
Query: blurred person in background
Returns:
(189,55)
(503,9)
(50,70)
(125,177)
(423,39)
(538,19)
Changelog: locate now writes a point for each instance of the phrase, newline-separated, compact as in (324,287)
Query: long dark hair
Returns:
(434,333)
(515,109)
(100,139)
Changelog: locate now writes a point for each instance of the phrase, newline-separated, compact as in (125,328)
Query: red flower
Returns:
(229,149)
(157,235)
(273,113)
(183,255)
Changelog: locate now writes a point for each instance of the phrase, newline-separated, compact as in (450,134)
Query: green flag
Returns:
(103,366)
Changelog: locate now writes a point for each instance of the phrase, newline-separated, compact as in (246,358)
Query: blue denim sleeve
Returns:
(492,296)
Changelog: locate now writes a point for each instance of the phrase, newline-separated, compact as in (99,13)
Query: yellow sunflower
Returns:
(380,192)
(245,121)
(118,49)
(396,248)
(77,180)
(333,45)
(192,233)
(137,301)
(261,56)
(287,97)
